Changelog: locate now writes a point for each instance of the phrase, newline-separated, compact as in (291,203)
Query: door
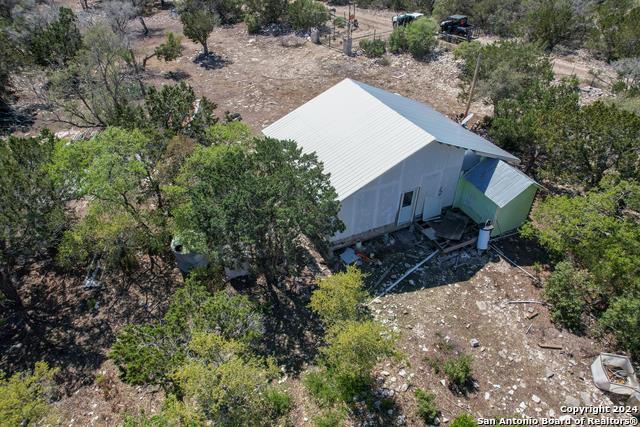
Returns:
(407,206)
(432,207)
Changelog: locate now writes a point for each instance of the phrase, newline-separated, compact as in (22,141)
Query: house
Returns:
(493,190)
(392,160)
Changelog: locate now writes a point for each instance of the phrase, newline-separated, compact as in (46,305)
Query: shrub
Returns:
(373,48)
(329,418)
(253,23)
(464,420)
(306,14)
(340,22)
(57,43)
(421,37)
(232,392)
(353,350)
(24,397)
(458,370)
(227,133)
(564,291)
(279,401)
(427,409)
(622,318)
(398,40)
(339,296)
(321,386)
(147,354)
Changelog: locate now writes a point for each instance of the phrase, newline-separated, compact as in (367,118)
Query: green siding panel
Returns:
(472,202)
(480,208)
(515,213)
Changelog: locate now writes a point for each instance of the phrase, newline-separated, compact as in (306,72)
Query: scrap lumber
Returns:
(405,275)
(460,245)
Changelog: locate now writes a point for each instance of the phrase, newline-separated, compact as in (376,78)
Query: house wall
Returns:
(474,203)
(515,213)
(373,209)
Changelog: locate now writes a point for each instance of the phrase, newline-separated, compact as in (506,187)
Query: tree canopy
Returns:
(507,68)
(253,203)
(32,218)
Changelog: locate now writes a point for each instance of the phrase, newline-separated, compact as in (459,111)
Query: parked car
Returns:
(405,18)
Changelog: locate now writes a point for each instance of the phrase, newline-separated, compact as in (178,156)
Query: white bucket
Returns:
(484,235)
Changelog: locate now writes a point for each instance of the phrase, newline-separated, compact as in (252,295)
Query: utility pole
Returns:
(473,85)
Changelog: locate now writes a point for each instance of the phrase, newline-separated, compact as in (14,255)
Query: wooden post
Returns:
(473,85)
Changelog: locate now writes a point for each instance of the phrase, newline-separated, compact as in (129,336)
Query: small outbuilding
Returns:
(494,191)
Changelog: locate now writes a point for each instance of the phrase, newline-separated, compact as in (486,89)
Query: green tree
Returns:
(170,50)
(25,397)
(550,22)
(353,349)
(507,69)
(306,14)
(175,109)
(254,204)
(13,59)
(229,11)
(123,173)
(99,87)
(500,17)
(621,319)
(227,133)
(421,37)
(615,33)
(32,217)
(233,393)
(592,141)
(444,8)
(339,297)
(567,290)
(398,40)
(58,42)
(208,327)
(525,125)
(198,21)
(599,231)
(267,11)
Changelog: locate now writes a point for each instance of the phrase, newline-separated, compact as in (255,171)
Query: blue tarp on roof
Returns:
(499,181)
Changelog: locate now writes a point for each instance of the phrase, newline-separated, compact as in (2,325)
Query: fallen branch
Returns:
(550,346)
(526,302)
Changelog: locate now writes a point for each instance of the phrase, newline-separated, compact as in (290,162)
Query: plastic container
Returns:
(484,234)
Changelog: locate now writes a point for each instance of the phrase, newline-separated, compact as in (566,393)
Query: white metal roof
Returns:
(499,181)
(359,132)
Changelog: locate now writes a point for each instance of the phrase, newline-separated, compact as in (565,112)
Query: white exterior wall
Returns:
(434,169)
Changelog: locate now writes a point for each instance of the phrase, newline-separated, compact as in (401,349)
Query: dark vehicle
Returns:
(405,18)
(456,27)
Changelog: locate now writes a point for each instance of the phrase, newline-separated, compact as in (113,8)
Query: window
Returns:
(407,198)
